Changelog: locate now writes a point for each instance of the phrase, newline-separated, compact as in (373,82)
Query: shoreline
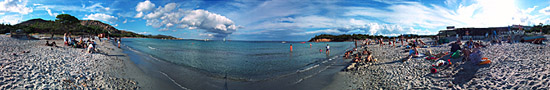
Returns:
(193,79)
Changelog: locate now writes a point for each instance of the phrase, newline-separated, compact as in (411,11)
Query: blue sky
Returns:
(293,20)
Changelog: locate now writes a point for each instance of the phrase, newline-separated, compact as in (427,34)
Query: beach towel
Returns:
(456,55)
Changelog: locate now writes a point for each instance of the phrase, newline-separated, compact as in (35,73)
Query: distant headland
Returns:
(351,37)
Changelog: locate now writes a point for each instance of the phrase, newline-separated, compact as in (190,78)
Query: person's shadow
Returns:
(467,72)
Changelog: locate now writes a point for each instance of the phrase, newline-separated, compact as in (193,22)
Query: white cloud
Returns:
(327,31)
(545,11)
(160,11)
(125,21)
(139,15)
(144,33)
(17,6)
(383,29)
(102,17)
(145,6)
(97,8)
(207,35)
(169,18)
(11,19)
(50,12)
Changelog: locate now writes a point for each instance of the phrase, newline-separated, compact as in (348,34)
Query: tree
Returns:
(66,19)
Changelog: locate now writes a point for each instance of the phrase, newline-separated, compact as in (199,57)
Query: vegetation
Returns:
(351,37)
(541,27)
(67,23)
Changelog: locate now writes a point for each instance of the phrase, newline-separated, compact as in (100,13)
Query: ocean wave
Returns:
(151,47)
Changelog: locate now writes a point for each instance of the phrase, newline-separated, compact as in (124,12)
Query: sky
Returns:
(283,20)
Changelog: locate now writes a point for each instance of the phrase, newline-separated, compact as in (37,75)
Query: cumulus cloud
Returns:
(145,6)
(545,11)
(102,17)
(139,15)
(10,19)
(160,11)
(167,17)
(383,29)
(17,6)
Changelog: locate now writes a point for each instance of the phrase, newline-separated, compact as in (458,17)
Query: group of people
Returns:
(80,43)
(471,50)
(364,56)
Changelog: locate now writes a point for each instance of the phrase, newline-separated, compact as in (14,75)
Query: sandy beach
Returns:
(513,66)
(29,64)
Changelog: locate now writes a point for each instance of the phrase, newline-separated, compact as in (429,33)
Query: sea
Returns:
(217,64)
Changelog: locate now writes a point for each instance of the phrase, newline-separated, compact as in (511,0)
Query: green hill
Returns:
(67,23)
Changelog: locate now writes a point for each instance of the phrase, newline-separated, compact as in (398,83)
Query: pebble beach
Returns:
(513,66)
(29,64)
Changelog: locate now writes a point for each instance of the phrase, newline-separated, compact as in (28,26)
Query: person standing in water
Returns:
(290,47)
(328,49)
(309,45)
(119,42)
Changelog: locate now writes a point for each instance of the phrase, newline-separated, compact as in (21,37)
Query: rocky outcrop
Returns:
(99,24)
(322,40)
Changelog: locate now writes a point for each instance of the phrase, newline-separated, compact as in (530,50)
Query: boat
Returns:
(283,42)
(534,38)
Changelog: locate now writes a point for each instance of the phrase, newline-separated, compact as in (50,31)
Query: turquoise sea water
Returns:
(209,62)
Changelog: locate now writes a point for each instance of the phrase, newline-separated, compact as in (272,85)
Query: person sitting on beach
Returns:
(90,48)
(357,58)
(50,44)
(368,56)
(412,53)
(455,46)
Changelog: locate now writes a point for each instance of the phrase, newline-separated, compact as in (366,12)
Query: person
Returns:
(402,41)
(355,43)
(412,52)
(90,47)
(369,56)
(381,42)
(328,49)
(50,44)
(455,46)
(309,45)
(118,42)
(320,50)
(65,39)
(290,47)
